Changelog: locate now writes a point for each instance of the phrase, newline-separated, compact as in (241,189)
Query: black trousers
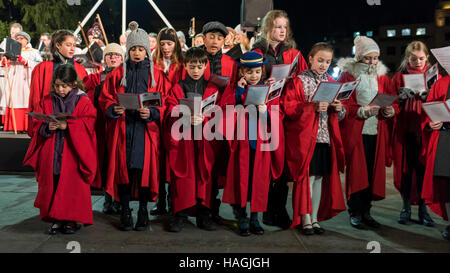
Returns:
(412,150)
(361,202)
(278,194)
(135,177)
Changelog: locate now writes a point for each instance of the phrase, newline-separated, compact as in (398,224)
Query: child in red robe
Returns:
(63,47)
(64,154)
(190,157)
(315,154)
(251,165)
(133,135)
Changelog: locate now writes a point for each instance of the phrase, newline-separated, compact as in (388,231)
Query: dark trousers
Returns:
(361,202)
(278,194)
(412,150)
(125,190)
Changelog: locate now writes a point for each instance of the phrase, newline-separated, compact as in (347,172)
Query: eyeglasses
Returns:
(113,55)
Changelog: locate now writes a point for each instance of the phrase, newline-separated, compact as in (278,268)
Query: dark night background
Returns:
(311,21)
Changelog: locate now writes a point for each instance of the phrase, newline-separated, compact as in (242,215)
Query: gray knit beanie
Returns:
(137,37)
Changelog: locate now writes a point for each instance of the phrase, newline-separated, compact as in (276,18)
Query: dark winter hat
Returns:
(137,37)
(23,34)
(252,59)
(215,26)
(95,31)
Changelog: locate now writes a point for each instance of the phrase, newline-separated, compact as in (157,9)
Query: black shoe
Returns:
(256,228)
(107,205)
(446,233)
(317,228)
(176,224)
(116,208)
(282,219)
(142,220)
(405,217)
(159,209)
(308,230)
(70,227)
(355,221)
(268,218)
(55,228)
(126,220)
(243,227)
(205,222)
(424,217)
(369,221)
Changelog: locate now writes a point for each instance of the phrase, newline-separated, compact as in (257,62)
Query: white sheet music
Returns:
(415,82)
(326,92)
(443,57)
(383,100)
(437,111)
(280,71)
(347,89)
(129,101)
(209,102)
(431,76)
(275,90)
(256,94)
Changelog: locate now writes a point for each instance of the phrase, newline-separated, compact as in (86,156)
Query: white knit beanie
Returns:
(113,48)
(137,37)
(363,46)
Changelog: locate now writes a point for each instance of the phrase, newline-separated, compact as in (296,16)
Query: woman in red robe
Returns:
(316,153)
(64,154)
(436,183)
(366,131)
(63,47)
(409,166)
(133,135)
(278,46)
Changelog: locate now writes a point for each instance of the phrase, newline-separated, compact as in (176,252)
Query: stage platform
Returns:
(13,148)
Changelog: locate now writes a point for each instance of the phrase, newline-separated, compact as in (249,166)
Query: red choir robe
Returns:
(72,199)
(267,165)
(407,120)
(116,137)
(90,83)
(190,162)
(229,69)
(301,129)
(431,192)
(174,75)
(41,80)
(356,175)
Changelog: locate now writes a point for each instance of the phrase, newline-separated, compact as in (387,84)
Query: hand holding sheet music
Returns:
(262,94)
(415,82)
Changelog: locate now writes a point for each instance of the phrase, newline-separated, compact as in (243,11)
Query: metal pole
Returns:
(124,16)
(155,7)
(88,16)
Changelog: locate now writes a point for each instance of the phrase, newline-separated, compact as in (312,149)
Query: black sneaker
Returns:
(368,220)
(355,221)
(405,217)
(243,227)
(176,223)
(55,228)
(446,233)
(256,228)
(205,222)
(70,227)
(159,209)
(424,217)
(126,220)
(142,220)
